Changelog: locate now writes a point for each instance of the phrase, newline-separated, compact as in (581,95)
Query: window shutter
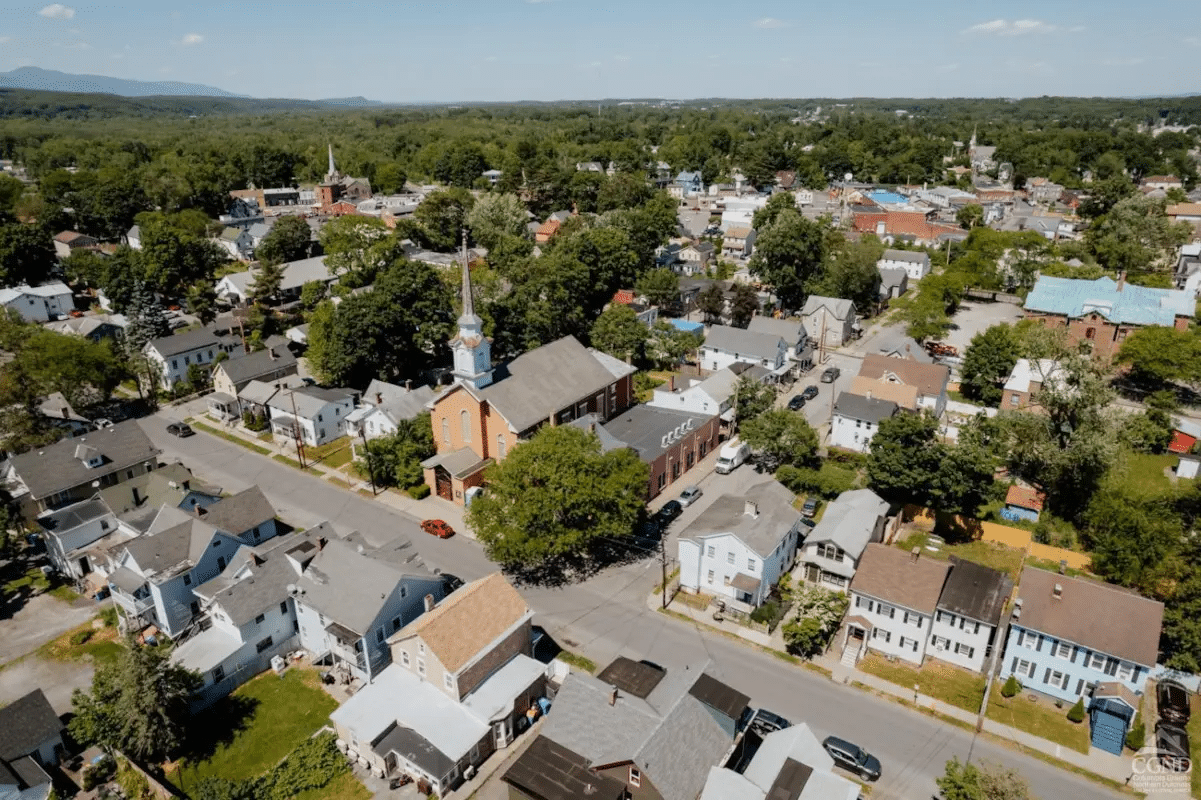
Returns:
(1066,678)
(1047,675)
(1033,667)
(1080,686)
(1111,667)
(1013,668)
(1075,651)
(1038,648)
(1021,636)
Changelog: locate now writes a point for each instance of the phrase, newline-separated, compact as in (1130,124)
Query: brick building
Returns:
(1103,312)
(670,442)
(490,409)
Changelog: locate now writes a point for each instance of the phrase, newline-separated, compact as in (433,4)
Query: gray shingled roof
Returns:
(850,520)
(347,586)
(912,256)
(545,380)
(644,428)
(270,361)
(264,584)
(74,515)
(161,552)
(764,346)
(55,468)
(240,512)
(309,400)
(178,343)
(25,724)
(154,489)
(868,409)
(975,591)
(790,330)
(727,514)
(397,402)
(841,309)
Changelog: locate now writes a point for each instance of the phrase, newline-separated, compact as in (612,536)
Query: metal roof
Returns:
(1135,305)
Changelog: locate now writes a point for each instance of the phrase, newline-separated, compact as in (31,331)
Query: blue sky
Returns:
(458,50)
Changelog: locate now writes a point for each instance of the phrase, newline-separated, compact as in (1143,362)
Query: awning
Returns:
(860,622)
(342,633)
(1112,690)
(727,415)
(126,580)
(221,398)
(746,583)
(459,463)
(782,370)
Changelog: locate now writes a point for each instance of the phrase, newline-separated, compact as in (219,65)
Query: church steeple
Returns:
(472,350)
(332,176)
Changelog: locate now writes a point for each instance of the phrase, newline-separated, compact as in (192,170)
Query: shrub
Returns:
(81,637)
(312,765)
(419,492)
(765,613)
(1012,687)
(98,773)
(133,783)
(109,617)
(1076,713)
(1136,737)
(828,482)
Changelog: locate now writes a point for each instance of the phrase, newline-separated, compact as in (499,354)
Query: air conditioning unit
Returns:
(469,773)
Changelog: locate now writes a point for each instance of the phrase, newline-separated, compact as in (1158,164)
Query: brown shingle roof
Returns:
(1022,497)
(468,621)
(890,574)
(902,395)
(1095,615)
(930,379)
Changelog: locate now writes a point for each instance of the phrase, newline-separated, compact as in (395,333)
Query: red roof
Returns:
(624,297)
(548,228)
(1022,497)
(1181,442)
(903,223)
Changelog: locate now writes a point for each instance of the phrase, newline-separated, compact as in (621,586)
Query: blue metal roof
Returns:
(685,325)
(1133,305)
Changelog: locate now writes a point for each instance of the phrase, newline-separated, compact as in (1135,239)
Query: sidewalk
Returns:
(1097,762)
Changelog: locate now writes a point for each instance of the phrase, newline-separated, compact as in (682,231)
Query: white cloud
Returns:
(192,38)
(1194,41)
(770,23)
(621,58)
(1019,27)
(1123,62)
(5,39)
(948,67)
(57,11)
(79,46)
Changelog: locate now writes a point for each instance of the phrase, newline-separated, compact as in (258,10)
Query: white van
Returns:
(733,453)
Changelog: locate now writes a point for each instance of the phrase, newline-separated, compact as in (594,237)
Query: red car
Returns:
(437,527)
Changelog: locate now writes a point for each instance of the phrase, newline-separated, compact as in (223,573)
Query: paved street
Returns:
(607,615)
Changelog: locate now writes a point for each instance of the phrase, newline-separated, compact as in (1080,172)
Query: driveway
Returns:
(57,679)
(26,626)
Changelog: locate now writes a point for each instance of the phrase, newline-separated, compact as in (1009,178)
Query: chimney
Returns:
(136,499)
(321,544)
(379,397)
(408,386)
(915,554)
(271,353)
(613,696)
(751,509)
(671,383)
(1057,592)
(429,602)
(1121,280)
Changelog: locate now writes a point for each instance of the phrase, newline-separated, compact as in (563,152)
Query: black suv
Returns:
(831,374)
(796,403)
(180,429)
(852,758)
(809,393)
(1173,702)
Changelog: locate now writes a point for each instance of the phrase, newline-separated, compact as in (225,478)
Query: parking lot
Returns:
(975,316)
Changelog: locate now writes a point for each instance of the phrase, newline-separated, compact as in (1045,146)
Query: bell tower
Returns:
(472,350)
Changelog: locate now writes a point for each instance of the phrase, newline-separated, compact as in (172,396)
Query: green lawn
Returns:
(251,731)
(102,645)
(579,662)
(344,787)
(988,554)
(1039,717)
(229,437)
(950,684)
(1144,473)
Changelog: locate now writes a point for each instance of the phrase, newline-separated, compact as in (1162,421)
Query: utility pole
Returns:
(367,458)
(296,434)
(663,565)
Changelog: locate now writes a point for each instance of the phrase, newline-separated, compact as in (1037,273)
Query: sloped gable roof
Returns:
(743,342)
(930,379)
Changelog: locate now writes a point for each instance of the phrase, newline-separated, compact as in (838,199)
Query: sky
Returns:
(508,50)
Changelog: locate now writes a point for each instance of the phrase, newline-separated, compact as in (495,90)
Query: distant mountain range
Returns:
(53,81)
(48,80)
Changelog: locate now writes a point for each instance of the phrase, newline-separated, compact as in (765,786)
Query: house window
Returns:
(379,635)
(963,650)
(283,607)
(662,479)
(1096,661)
(421,666)
(220,563)
(404,657)
(635,777)
(465,425)
(878,633)
(829,551)
(445,431)
(729,558)
(395,624)
(860,602)
(940,642)
(711,551)
(174,363)
(1028,640)
(320,418)
(187,360)
(500,445)
(1091,333)
(689,459)
(404,590)
(1125,671)
(218,674)
(187,579)
(886,611)
(751,565)
(1055,678)
(448,681)
(704,448)
(710,578)
(675,470)
(1014,399)
(259,619)
(1063,650)
(263,645)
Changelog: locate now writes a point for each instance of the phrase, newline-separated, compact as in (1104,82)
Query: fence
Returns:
(1016,538)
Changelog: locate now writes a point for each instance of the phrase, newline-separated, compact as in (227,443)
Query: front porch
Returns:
(449,475)
(223,407)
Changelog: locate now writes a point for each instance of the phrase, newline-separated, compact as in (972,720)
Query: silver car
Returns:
(690,495)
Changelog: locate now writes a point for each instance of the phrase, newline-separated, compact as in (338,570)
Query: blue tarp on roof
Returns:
(1134,305)
(686,326)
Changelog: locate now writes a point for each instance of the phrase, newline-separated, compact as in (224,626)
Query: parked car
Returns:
(809,393)
(831,374)
(766,722)
(437,527)
(796,403)
(647,530)
(852,758)
(181,429)
(450,583)
(690,495)
(670,510)
(1172,746)
(809,509)
(1173,702)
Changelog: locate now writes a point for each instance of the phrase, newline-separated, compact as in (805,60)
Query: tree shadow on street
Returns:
(578,567)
